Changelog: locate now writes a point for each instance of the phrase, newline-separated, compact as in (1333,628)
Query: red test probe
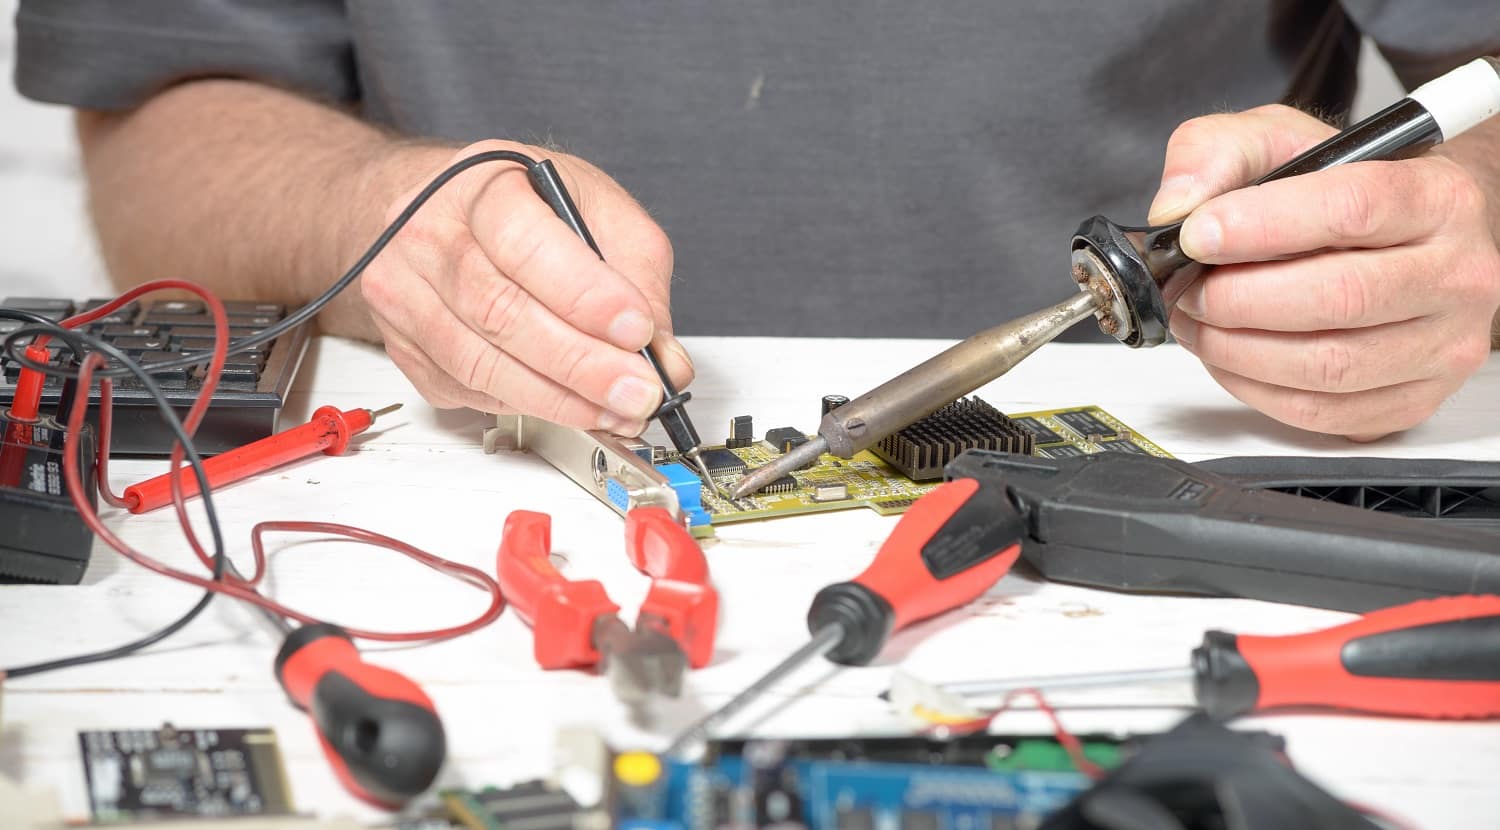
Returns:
(950,547)
(25,410)
(328,432)
(1433,658)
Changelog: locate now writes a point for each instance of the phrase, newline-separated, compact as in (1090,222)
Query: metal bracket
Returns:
(593,459)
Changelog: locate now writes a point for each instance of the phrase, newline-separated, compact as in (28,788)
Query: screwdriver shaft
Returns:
(992,688)
(821,643)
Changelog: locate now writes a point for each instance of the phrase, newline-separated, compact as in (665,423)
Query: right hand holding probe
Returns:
(486,300)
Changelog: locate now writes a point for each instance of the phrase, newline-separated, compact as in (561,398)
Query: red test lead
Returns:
(328,432)
(22,418)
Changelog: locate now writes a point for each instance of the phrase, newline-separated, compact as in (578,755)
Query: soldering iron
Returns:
(1130,277)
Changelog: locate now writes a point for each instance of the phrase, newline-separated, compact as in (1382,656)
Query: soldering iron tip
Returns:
(385,411)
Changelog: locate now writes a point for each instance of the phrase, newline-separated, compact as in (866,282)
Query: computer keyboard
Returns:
(251,391)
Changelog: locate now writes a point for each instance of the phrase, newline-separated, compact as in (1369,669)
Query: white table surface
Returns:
(423,478)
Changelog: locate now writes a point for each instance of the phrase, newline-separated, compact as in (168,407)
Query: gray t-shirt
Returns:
(823,168)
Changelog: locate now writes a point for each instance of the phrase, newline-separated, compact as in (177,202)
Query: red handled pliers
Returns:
(575,624)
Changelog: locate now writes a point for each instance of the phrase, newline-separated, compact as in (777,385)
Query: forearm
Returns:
(1478,150)
(271,197)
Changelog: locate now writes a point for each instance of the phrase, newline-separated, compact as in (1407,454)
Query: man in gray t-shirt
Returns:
(829,168)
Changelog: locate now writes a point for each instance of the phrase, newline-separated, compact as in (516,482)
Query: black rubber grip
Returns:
(392,748)
(1457,650)
(1223,681)
(865,616)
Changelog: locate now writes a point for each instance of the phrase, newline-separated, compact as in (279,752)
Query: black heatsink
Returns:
(921,450)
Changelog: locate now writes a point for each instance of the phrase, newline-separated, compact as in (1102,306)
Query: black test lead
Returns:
(671,414)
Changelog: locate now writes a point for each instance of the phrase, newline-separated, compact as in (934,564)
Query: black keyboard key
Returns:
(46,306)
(166,377)
(233,373)
(194,344)
(253,321)
(240,307)
(177,307)
(114,330)
(153,317)
(121,316)
(135,346)
(235,332)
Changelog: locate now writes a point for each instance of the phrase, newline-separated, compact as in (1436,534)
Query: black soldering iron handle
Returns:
(1147,263)
(548,184)
(1142,523)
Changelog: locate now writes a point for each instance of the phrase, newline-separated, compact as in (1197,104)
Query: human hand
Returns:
(1350,301)
(487,300)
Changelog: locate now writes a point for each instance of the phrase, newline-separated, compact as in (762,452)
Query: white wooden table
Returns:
(423,478)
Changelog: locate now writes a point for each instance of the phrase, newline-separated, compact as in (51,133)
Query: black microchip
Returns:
(1085,424)
(1122,446)
(163,773)
(1064,451)
(722,461)
(785,484)
(1044,434)
(785,439)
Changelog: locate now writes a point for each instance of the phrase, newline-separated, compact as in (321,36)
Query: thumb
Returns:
(1215,154)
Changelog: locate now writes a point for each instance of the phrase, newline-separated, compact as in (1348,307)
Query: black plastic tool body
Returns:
(1142,523)
(42,538)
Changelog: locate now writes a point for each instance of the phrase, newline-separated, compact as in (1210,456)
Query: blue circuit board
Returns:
(761,788)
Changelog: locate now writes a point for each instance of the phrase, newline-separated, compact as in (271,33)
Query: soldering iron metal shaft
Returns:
(926,387)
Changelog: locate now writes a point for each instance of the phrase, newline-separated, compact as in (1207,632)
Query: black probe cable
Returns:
(307,312)
(77,341)
(128,367)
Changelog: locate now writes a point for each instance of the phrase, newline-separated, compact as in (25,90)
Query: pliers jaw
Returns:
(575,624)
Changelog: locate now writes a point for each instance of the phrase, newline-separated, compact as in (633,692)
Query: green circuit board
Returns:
(866,480)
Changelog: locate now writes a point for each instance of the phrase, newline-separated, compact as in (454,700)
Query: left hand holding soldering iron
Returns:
(1349,301)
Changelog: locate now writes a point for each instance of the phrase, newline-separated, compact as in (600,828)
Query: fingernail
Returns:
(610,422)
(1173,200)
(1202,236)
(630,330)
(1184,330)
(676,346)
(1191,301)
(633,398)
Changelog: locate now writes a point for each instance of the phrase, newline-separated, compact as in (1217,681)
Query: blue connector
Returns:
(689,490)
(618,496)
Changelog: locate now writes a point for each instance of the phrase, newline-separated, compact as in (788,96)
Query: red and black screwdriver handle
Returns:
(1434,658)
(379,730)
(680,602)
(950,547)
(561,611)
